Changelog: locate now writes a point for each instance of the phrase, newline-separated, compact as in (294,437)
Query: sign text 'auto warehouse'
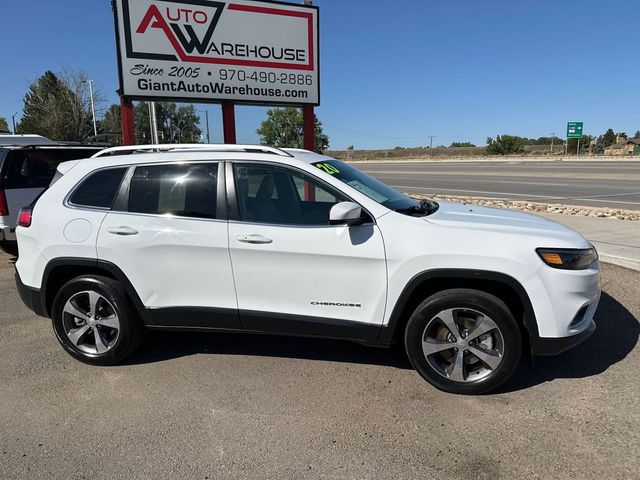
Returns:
(201,50)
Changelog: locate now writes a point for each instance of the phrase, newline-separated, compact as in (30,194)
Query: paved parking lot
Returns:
(238,406)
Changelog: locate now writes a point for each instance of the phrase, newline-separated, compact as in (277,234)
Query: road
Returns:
(198,406)
(594,183)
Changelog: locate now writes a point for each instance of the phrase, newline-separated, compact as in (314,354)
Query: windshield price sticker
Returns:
(328,168)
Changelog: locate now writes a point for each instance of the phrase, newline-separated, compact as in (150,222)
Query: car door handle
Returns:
(122,230)
(255,239)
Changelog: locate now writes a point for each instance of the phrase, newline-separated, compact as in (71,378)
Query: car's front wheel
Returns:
(463,341)
(94,321)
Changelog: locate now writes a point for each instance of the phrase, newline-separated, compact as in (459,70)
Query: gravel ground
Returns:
(198,406)
(583,211)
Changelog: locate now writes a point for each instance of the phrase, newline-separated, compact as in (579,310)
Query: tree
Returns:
(110,122)
(572,144)
(176,124)
(461,144)
(283,129)
(637,134)
(546,141)
(4,126)
(609,138)
(506,145)
(185,124)
(58,107)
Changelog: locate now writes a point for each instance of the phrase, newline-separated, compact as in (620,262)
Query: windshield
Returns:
(372,188)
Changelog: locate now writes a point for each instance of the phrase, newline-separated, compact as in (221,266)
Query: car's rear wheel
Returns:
(94,321)
(463,341)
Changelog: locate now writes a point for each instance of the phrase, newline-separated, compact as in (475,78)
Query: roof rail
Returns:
(185,147)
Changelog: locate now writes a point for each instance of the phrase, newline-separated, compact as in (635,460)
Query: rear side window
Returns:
(99,189)
(34,168)
(178,189)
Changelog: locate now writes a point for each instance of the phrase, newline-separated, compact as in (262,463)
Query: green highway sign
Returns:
(574,129)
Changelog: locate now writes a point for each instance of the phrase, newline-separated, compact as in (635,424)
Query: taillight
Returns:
(4,208)
(24,217)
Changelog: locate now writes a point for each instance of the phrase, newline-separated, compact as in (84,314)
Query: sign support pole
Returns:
(308,131)
(127,122)
(229,122)
(309,128)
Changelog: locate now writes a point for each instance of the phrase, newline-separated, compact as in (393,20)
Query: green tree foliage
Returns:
(176,124)
(461,144)
(637,134)
(283,128)
(544,141)
(609,138)
(4,126)
(110,122)
(57,107)
(506,145)
(572,144)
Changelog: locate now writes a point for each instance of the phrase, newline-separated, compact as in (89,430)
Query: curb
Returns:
(624,262)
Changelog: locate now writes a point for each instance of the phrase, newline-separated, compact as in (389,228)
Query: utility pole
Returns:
(13,120)
(153,123)
(206,115)
(431,141)
(553,134)
(93,109)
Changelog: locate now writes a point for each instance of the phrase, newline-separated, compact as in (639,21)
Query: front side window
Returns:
(185,190)
(271,194)
(99,189)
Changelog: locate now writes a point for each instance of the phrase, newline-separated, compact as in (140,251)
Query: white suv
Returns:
(256,239)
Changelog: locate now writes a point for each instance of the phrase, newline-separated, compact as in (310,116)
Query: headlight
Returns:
(568,258)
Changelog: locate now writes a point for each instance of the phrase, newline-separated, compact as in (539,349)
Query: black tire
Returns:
(473,301)
(131,330)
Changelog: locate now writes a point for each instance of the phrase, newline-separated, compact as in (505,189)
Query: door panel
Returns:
(287,259)
(172,248)
(329,272)
(171,262)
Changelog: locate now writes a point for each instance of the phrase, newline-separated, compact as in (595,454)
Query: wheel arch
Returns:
(61,270)
(426,283)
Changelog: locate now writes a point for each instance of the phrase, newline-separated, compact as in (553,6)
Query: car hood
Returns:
(467,216)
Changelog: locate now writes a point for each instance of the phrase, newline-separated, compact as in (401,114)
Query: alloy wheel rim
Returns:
(463,345)
(91,322)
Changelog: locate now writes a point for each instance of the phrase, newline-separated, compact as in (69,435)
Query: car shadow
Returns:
(161,346)
(615,337)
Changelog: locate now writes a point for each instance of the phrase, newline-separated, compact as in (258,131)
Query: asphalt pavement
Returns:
(607,183)
(198,406)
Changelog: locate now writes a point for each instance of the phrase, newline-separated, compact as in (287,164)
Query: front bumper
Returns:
(555,346)
(564,304)
(31,297)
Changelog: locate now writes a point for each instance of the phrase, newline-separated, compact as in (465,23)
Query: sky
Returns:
(394,73)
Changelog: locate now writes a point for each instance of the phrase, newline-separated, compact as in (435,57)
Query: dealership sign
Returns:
(212,51)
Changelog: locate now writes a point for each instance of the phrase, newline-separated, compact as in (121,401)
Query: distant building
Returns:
(624,146)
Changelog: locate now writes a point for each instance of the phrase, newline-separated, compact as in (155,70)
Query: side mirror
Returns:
(345,213)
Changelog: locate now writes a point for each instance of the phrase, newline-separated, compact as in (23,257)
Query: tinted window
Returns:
(369,186)
(34,168)
(278,195)
(99,189)
(184,190)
